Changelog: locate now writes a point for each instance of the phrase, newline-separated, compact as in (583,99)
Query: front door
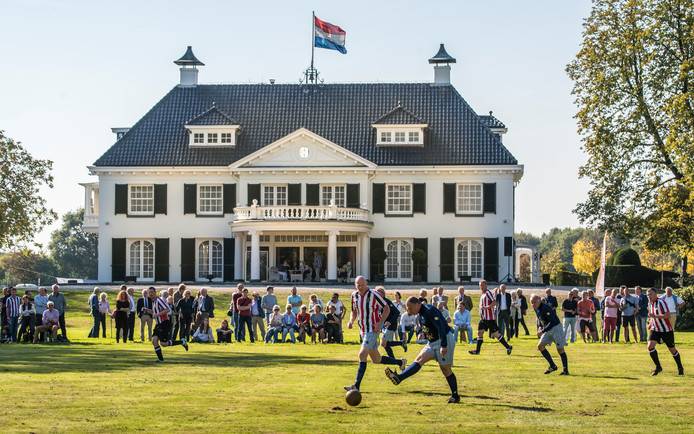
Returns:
(399,261)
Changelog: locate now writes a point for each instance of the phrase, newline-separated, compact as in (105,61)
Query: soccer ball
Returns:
(353,397)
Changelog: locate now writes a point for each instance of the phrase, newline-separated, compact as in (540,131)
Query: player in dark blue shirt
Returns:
(549,330)
(389,338)
(441,346)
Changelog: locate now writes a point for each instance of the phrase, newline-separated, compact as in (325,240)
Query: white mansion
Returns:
(250,182)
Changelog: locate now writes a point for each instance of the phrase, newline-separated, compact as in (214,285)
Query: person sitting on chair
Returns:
(283,270)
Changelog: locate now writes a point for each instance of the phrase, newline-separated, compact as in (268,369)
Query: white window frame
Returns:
(130,208)
(386,134)
(212,131)
(274,194)
(226,140)
(199,199)
(458,260)
(212,138)
(332,194)
(198,138)
(458,209)
(142,241)
(399,278)
(198,243)
(387,205)
(385,137)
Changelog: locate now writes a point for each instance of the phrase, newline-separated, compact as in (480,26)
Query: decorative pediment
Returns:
(212,116)
(302,148)
(399,115)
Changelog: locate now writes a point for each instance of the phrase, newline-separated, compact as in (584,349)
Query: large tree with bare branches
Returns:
(634,87)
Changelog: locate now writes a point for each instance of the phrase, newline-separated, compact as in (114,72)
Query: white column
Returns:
(255,255)
(332,256)
(238,255)
(365,247)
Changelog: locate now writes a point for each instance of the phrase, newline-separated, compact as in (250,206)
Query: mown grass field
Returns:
(95,385)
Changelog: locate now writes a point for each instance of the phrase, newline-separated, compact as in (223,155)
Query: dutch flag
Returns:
(330,36)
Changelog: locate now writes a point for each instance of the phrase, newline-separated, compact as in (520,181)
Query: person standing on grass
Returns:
(121,316)
(629,307)
(295,301)
(550,330)
(60,305)
(598,307)
(642,314)
(370,311)
(503,311)
(145,311)
(104,310)
(569,307)
(550,299)
(674,303)
(390,326)
(243,305)
(234,309)
(26,320)
(12,313)
(93,304)
(618,296)
(132,314)
(523,311)
(586,313)
(461,321)
(660,325)
(204,307)
(610,311)
(488,320)
(258,316)
(515,313)
(268,303)
(161,337)
(185,310)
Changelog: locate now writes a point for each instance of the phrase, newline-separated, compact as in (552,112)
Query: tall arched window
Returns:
(469,258)
(210,260)
(141,260)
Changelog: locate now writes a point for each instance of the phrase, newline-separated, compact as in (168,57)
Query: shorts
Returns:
(389,335)
(667,338)
(556,335)
(434,349)
(610,323)
(370,341)
(163,331)
(586,324)
(488,324)
(628,320)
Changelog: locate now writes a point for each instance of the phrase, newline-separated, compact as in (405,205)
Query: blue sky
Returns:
(73,69)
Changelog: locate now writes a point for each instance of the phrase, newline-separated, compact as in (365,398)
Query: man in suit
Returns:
(503,311)
(463,298)
(204,307)
(145,311)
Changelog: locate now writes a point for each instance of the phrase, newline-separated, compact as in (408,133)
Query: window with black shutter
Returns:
(447,259)
(121,206)
(253,193)
(353,196)
(161,260)
(491,259)
(190,198)
(312,194)
(118,259)
(449,198)
(489,198)
(378,198)
(229,198)
(228,259)
(160,198)
(419,198)
(294,194)
(187,259)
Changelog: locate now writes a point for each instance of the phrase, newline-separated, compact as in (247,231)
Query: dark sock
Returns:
(564,361)
(453,384)
(503,342)
(410,371)
(654,356)
(548,357)
(676,356)
(174,343)
(157,350)
(385,360)
(360,374)
(389,351)
(479,344)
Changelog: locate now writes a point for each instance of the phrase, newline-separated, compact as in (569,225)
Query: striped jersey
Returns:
(161,310)
(12,306)
(487,311)
(659,307)
(369,308)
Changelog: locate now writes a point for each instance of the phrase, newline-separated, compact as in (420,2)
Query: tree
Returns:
(586,256)
(22,209)
(26,266)
(658,260)
(73,250)
(550,260)
(526,238)
(634,87)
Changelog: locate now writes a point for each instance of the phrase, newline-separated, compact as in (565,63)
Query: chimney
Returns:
(442,68)
(189,71)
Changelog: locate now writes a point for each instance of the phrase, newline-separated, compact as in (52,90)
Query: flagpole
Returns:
(313,35)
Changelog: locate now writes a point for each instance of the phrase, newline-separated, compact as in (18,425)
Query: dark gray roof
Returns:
(188,59)
(399,115)
(442,56)
(342,113)
(491,122)
(212,116)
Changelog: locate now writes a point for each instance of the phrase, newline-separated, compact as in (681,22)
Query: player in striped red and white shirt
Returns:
(488,320)
(661,331)
(161,336)
(369,310)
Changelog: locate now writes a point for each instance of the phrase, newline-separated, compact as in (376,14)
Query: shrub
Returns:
(625,256)
(378,255)
(685,319)
(568,278)
(419,256)
(630,275)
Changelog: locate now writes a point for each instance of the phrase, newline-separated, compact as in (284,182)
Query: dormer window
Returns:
(386,136)
(400,135)
(226,137)
(212,138)
(413,137)
(212,135)
(198,138)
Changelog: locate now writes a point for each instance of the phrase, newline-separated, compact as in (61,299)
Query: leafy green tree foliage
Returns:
(22,209)
(526,238)
(26,266)
(634,87)
(73,250)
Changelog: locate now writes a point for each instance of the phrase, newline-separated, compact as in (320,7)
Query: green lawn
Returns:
(94,385)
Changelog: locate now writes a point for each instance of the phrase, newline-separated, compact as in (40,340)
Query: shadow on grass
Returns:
(84,357)
(535,409)
(609,377)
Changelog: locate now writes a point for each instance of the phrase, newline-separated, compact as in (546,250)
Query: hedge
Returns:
(568,278)
(685,318)
(633,275)
(625,256)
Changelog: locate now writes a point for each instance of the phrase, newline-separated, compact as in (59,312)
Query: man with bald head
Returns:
(370,311)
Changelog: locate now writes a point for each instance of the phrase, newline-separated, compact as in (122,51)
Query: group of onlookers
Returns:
(29,318)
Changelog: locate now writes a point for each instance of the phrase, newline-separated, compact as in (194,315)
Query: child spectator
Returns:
(224,333)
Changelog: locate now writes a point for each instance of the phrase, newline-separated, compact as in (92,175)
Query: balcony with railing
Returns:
(300,213)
